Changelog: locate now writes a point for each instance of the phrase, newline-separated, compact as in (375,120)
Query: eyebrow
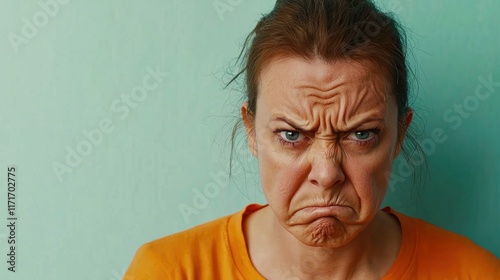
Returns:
(297,127)
(290,123)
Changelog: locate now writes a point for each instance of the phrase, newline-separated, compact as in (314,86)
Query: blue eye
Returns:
(291,136)
(362,135)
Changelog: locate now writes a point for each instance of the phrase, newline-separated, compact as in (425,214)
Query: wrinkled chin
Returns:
(322,232)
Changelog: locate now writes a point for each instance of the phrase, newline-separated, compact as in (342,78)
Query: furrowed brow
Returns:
(291,123)
(361,122)
(355,125)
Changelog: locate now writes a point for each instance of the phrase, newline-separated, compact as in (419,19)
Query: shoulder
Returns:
(166,254)
(190,254)
(206,233)
(436,249)
(440,241)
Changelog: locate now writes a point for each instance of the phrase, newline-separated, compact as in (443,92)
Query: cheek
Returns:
(369,175)
(281,174)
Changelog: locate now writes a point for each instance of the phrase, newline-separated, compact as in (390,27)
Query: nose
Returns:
(326,166)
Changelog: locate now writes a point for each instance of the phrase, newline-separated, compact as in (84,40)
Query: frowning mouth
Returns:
(314,212)
(326,209)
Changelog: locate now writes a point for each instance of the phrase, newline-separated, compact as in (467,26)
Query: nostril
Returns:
(325,172)
(314,182)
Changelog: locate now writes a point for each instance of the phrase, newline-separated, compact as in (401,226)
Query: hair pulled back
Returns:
(330,30)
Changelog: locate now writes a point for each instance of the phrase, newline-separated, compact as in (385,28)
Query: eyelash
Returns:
(368,142)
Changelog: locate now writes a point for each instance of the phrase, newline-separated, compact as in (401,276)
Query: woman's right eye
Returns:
(291,136)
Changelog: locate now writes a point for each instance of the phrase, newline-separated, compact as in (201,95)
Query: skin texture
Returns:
(325,136)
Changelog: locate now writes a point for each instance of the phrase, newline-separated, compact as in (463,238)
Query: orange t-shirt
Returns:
(217,250)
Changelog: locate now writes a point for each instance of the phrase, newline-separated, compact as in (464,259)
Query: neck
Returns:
(369,256)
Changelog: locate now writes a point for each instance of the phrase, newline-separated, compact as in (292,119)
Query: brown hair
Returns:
(330,30)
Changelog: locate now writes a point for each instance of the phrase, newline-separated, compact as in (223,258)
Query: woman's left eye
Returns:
(363,135)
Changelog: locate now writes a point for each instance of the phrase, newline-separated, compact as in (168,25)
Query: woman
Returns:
(325,115)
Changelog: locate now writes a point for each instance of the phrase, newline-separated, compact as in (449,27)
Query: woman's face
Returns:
(325,136)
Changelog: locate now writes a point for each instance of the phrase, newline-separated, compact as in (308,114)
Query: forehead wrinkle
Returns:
(364,97)
(343,111)
(326,100)
(294,115)
(325,123)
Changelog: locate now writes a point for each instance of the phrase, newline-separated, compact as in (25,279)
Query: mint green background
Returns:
(127,191)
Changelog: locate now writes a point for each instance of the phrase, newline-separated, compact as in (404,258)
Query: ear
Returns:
(402,131)
(249,122)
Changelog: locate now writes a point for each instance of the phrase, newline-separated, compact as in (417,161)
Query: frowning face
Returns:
(325,136)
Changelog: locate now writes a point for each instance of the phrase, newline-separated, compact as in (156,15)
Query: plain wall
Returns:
(68,69)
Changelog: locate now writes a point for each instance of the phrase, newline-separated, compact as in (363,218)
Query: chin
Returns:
(323,232)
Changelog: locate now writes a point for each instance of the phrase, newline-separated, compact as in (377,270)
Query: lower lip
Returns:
(325,211)
(317,213)
(314,209)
